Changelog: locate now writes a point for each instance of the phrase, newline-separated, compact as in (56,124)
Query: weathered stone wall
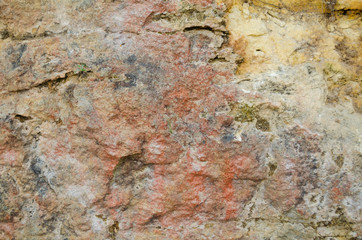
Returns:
(180,119)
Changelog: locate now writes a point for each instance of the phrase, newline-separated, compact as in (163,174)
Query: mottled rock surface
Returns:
(180,119)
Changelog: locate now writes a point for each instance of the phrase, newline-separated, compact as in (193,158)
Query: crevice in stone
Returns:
(22,118)
(28,36)
(347,12)
(134,162)
(163,33)
(129,158)
(130,32)
(53,83)
(329,8)
(152,219)
(203,28)
(218,59)
(190,19)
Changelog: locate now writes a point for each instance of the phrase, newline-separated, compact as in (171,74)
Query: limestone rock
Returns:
(180,119)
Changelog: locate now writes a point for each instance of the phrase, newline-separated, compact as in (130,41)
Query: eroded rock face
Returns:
(180,119)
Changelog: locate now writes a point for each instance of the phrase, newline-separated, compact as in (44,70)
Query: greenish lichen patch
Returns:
(113,229)
(272,168)
(339,160)
(100,216)
(243,113)
(343,87)
(262,124)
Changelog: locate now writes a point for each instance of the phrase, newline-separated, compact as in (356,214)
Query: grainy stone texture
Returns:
(180,119)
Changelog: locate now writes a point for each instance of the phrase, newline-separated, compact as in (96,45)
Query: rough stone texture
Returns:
(180,119)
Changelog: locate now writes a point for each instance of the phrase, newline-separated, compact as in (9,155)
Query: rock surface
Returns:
(180,119)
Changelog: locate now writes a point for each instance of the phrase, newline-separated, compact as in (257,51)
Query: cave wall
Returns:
(180,119)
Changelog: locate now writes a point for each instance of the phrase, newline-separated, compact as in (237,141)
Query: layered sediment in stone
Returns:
(180,119)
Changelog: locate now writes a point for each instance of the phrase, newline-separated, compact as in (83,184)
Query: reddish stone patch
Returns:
(117,198)
(8,229)
(11,149)
(203,3)
(162,150)
(340,189)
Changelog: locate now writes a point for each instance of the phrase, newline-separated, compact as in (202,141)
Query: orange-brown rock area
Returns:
(180,119)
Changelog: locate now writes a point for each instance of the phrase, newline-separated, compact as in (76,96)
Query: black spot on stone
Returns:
(10,50)
(227,138)
(19,53)
(310,69)
(4,34)
(42,187)
(50,224)
(69,92)
(150,66)
(131,59)
(131,81)
(99,61)
(124,84)
(34,166)
(131,77)
(22,48)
